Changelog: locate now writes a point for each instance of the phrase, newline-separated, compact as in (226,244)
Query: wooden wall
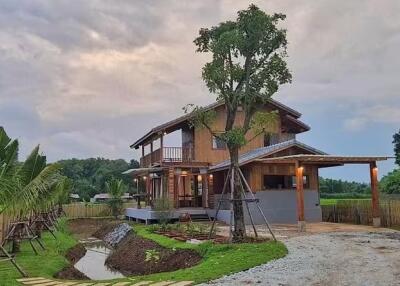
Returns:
(203,139)
(258,170)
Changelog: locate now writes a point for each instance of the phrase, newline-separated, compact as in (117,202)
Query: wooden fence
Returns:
(74,210)
(360,212)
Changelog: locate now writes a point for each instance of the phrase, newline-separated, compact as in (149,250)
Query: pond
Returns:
(93,263)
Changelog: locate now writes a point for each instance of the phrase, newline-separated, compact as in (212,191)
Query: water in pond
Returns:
(93,263)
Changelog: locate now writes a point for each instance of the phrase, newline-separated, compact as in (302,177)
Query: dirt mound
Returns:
(129,257)
(75,253)
(70,273)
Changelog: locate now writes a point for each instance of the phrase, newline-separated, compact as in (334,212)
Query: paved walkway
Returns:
(39,281)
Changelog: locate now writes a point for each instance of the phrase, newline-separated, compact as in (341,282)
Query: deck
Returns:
(149,215)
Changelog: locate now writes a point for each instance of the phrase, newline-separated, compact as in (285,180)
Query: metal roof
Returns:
(327,159)
(141,170)
(264,151)
(161,128)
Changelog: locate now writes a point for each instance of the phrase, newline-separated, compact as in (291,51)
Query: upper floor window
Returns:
(217,143)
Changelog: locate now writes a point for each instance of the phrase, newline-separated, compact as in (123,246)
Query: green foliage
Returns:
(248,54)
(396,142)
(45,264)
(88,176)
(163,207)
(24,187)
(390,184)
(152,255)
(265,122)
(218,259)
(332,186)
(116,189)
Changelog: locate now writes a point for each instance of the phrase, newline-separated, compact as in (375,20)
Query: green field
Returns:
(218,259)
(330,202)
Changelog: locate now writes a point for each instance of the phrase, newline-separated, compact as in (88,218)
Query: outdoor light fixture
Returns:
(211,176)
(199,178)
(184,173)
(144,177)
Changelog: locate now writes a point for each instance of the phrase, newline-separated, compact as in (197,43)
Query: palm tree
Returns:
(115,188)
(24,186)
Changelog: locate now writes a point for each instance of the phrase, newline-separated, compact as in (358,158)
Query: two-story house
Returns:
(281,171)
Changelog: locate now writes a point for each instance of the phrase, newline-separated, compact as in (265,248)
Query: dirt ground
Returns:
(328,254)
(86,227)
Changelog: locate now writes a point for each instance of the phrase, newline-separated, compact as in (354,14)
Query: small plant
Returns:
(191,229)
(164,210)
(115,188)
(152,255)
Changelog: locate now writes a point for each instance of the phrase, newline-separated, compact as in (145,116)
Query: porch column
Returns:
(376,219)
(171,185)
(300,197)
(205,190)
(162,147)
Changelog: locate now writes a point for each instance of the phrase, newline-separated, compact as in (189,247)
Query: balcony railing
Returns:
(168,155)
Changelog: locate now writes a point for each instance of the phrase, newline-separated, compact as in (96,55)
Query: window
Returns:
(217,143)
(283,182)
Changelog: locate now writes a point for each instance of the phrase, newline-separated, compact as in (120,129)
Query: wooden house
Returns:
(281,171)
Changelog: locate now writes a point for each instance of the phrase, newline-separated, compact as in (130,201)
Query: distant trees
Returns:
(89,176)
(396,142)
(331,187)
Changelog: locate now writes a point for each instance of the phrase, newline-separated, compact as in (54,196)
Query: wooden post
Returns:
(142,161)
(171,186)
(162,148)
(300,197)
(373,170)
(151,152)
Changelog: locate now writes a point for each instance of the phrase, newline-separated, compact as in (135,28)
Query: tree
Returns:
(24,187)
(396,142)
(246,69)
(115,188)
(390,184)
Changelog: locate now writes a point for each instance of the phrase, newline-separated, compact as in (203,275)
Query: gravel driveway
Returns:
(340,258)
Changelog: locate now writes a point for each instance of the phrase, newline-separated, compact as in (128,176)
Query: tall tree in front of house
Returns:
(246,69)
(396,142)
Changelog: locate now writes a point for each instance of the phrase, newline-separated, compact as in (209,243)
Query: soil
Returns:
(70,273)
(129,257)
(75,253)
(86,227)
(106,228)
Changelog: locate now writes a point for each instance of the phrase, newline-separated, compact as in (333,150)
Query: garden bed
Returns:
(140,256)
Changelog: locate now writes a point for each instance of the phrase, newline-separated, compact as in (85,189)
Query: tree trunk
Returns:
(239,230)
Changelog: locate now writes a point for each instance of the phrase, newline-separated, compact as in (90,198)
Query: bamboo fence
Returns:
(74,210)
(360,212)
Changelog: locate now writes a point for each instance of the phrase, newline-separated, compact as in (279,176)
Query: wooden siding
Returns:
(203,150)
(258,170)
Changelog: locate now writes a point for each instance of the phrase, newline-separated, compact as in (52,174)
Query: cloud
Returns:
(89,79)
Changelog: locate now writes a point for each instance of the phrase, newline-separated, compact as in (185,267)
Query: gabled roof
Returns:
(293,114)
(265,151)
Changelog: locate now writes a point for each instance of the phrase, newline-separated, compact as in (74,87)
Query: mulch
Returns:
(129,257)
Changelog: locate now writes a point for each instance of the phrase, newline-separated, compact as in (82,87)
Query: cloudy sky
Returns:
(87,78)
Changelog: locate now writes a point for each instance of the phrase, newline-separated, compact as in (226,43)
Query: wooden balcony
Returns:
(168,155)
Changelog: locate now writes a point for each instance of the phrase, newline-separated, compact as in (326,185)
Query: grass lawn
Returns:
(45,264)
(330,202)
(218,259)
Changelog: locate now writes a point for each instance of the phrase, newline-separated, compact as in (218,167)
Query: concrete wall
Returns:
(278,206)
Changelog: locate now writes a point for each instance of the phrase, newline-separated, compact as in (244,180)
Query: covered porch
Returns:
(300,162)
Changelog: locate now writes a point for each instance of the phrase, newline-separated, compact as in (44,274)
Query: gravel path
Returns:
(345,258)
